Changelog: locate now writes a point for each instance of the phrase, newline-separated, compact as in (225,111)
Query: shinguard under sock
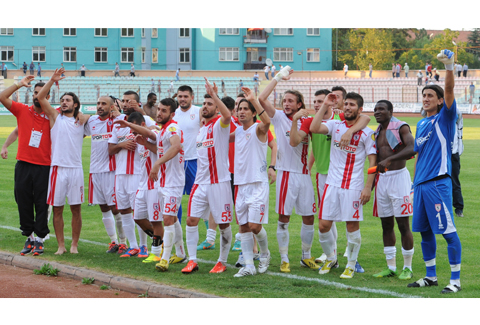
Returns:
(283,239)
(109,223)
(247,247)
(211,235)
(262,240)
(142,235)
(390,254)
(353,247)
(429,249)
(122,238)
(129,228)
(454,249)
(407,258)
(328,244)
(225,243)
(168,242)
(192,242)
(306,235)
(178,240)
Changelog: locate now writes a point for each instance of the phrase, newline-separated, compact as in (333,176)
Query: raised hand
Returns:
(301,113)
(215,88)
(209,88)
(57,75)
(284,74)
(249,95)
(331,100)
(25,81)
(446,57)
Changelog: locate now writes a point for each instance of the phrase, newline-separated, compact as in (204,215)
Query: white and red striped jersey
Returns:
(346,164)
(250,156)
(67,140)
(212,151)
(147,159)
(292,159)
(172,173)
(100,132)
(189,123)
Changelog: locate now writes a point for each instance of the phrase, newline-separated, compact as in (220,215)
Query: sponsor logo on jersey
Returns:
(348,149)
(93,127)
(127,137)
(287,134)
(356,205)
(144,154)
(160,150)
(172,129)
(421,140)
(101,137)
(305,140)
(205,144)
(438,207)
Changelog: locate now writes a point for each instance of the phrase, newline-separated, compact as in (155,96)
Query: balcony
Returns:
(253,65)
(258,38)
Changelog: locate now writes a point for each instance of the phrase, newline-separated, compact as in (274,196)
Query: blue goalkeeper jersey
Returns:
(433,143)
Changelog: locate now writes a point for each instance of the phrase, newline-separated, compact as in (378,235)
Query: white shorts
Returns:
(170,199)
(65,183)
(215,198)
(392,194)
(101,188)
(126,187)
(294,190)
(321,179)
(147,206)
(251,203)
(339,204)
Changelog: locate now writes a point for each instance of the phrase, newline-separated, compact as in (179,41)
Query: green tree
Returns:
(341,48)
(474,41)
(372,46)
(446,41)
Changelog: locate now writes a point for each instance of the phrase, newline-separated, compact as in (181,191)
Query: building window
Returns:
(313,55)
(229,31)
(228,54)
(143,54)
(313,31)
(283,31)
(184,55)
(69,54)
(38,31)
(6,31)
(6,53)
(38,53)
(282,54)
(101,32)
(127,54)
(69,32)
(154,32)
(127,32)
(154,55)
(184,32)
(101,54)
(143,32)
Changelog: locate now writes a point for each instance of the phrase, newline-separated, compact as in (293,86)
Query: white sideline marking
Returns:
(289,276)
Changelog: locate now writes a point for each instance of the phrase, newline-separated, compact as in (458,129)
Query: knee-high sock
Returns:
(142,235)
(328,244)
(168,236)
(225,243)
(262,240)
(109,223)
(454,249)
(238,237)
(122,238)
(192,242)
(353,247)
(247,248)
(178,239)
(283,239)
(390,253)
(333,229)
(429,250)
(211,235)
(306,235)
(129,228)
(407,257)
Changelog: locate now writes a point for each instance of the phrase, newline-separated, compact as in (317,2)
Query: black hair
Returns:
(41,84)
(341,89)
(229,102)
(170,103)
(322,92)
(440,94)
(356,97)
(207,96)
(75,101)
(185,88)
(131,92)
(388,103)
(136,118)
(250,106)
(151,95)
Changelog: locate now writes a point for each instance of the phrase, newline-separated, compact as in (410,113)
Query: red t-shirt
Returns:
(28,120)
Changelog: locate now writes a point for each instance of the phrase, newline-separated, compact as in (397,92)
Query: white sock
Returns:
(40,240)
(283,239)
(156,250)
(333,229)
(390,253)
(179,249)
(192,242)
(328,244)
(262,240)
(142,235)
(238,237)
(407,258)
(109,223)
(247,247)
(211,235)
(306,235)
(32,237)
(225,243)
(353,246)
(129,229)
(122,238)
(168,236)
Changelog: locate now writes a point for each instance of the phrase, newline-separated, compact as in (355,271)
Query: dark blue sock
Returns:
(429,249)
(454,253)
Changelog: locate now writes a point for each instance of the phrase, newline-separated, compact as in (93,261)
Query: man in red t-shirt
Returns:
(33,165)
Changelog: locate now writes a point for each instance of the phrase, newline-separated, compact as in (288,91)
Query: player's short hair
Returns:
(136,118)
(110,101)
(170,103)
(229,102)
(356,97)
(151,95)
(75,101)
(241,95)
(322,92)
(299,96)
(41,84)
(185,88)
(250,106)
(440,94)
(207,96)
(341,89)
(388,103)
(131,92)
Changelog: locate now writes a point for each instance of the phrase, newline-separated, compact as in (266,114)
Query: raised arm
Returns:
(11,139)
(137,128)
(447,57)
(262,128)
(4,95)
(317,126)
(175,148)
(283,74)
(224,111)
(51,112)
(296,135)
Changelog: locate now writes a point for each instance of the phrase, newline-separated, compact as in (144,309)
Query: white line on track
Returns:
(288,276)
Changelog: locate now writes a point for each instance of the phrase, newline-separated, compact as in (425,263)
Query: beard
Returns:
(208,114)
(36,103)
(351,117)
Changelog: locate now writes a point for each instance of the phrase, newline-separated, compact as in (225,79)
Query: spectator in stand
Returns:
(459,69)
(159,86)
(465,69)
(117,70)
(4,70)
(406,68)
(25,69)
(255,76)
(419,77)
(472,92)
(267,70)
(394,70)
(32,68)
(170,89)
(240,85)
(273,70)
(82,70)
(223,88)
(397,70)
(177,74)
(132,70)
(39,70)
(426,68)
(370,68)
(429,70)
(345,69)
(152,90)
(436,76)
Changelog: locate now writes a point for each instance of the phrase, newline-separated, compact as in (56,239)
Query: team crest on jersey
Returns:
(210,130)
(227,207)
(262,208)
(438,207)
(109,123)
(356,205)
(406,199)
(156,207)
(356,137)
(173,200)
(192,116)
(247,136)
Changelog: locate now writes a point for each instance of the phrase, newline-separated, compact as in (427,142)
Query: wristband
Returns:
(272,167)
(261,113)
(16,84)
